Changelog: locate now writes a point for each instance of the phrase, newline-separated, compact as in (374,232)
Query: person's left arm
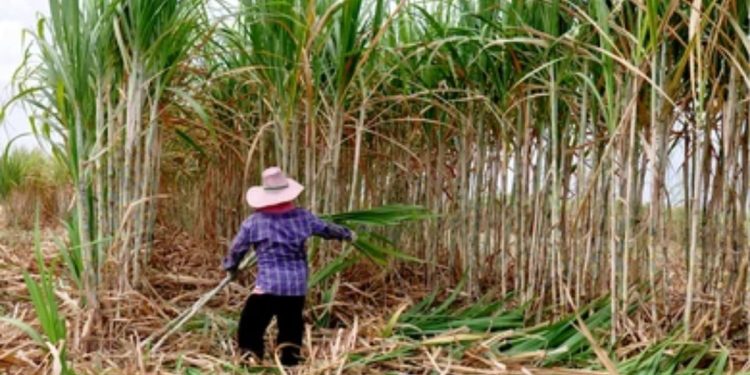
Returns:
(330,231)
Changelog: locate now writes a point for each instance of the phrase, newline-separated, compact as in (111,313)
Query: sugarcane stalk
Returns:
(697,90)
(583,240)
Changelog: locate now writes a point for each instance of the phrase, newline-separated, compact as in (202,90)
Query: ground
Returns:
(354,337)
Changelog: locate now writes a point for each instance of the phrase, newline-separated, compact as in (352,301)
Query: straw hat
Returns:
(276,189)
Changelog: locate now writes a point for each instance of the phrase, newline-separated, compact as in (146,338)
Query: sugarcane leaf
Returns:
(190,142)
(388,329)
(398,254)
(452,297)
(371,251)
(720,363)
(27,329)
(331,268)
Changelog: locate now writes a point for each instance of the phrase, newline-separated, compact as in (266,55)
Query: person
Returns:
(277,230)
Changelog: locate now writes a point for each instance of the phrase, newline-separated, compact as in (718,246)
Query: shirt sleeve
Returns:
(240,246)
(328,230)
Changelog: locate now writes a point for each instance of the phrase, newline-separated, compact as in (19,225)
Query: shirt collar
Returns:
(278,208)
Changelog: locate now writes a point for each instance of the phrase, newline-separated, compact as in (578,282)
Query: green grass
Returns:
(31,178)
(42,294)
(23,169)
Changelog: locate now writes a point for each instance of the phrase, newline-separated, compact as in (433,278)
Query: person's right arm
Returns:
(240,246)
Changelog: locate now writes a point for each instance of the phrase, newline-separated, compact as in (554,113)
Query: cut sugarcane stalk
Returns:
(185,316)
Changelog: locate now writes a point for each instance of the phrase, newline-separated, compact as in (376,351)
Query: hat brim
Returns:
(257,197)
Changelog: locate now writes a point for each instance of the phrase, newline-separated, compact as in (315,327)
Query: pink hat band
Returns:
(274,179)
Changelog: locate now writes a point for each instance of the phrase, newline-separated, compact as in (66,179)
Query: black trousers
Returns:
(256,316)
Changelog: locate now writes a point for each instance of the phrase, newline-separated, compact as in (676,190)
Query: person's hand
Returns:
(232,273)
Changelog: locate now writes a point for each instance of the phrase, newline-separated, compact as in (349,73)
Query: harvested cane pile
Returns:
(380,320)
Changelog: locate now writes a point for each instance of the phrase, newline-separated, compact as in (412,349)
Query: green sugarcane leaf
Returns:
(370,251)
(190,142)
(720,363)
(452,297)
(398,254)
(337,265)
(199,110)
(27,329)
(422,305)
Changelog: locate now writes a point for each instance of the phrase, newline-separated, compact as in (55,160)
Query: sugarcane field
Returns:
(375,187)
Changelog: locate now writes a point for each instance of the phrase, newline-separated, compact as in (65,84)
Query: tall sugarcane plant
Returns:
(153,39)
(96,95)
(65,108)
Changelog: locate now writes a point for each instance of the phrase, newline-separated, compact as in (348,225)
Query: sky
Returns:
(16,15)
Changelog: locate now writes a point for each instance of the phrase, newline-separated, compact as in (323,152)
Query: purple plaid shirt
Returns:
(279,241)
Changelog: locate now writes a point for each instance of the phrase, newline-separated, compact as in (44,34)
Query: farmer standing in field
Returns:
(278,231)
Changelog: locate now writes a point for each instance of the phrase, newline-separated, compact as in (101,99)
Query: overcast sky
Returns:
(16,15)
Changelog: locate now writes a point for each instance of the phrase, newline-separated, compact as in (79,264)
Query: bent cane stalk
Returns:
(180,320)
